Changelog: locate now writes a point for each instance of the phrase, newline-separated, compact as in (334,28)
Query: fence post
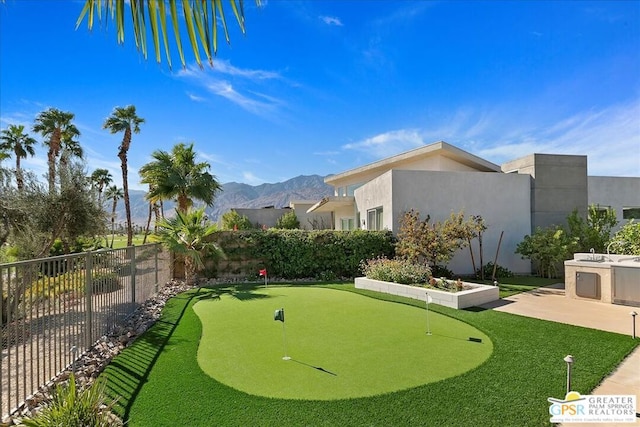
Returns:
(132,252)
(88,268)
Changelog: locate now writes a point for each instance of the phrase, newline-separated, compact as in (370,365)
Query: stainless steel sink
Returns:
(590,260)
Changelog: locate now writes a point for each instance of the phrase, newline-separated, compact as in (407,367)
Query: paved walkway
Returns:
(550,303)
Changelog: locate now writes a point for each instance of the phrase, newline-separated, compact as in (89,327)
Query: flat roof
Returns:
(440,147)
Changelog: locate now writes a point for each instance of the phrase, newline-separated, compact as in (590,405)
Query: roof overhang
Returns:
(437,148)
(331,203)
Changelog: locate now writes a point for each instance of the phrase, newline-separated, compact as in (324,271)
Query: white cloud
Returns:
(225,67)
(609,137)
(195,98)
(388,143)
(236,87)
(250,178)
(331,20)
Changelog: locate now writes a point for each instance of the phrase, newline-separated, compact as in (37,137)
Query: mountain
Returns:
(239,195)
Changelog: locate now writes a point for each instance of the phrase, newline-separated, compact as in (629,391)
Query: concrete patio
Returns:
(550,303)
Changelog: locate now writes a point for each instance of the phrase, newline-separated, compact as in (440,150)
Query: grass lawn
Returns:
(159,382)
(514,285)
(120,240)
(342,345)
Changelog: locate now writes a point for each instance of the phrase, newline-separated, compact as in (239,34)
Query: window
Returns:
(374,219)
(346,224)
(629,212)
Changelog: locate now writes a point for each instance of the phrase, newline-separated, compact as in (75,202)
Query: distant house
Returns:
(437,179)
(268,216)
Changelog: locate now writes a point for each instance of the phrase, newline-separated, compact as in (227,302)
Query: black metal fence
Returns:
(53,309)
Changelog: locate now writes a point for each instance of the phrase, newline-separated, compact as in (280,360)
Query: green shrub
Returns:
(441,271)
(396,270)
(71,407)
(500,271)
(627,240)
(298,254)
(288,221)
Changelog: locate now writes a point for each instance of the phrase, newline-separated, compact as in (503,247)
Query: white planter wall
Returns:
(480,294)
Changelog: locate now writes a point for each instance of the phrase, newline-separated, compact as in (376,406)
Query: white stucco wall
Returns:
(503,200)
(436,162)
(374,194)
(616,192)
(344,212)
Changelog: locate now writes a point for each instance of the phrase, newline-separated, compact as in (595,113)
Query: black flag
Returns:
(279,315)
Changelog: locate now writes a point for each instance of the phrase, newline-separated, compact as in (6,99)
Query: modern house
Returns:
(269,216)
(513,199)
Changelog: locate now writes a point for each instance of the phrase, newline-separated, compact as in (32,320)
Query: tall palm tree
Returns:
(201,19)
(124,119)
(177,175)
(55,126)
(15,139)
(113,193)
(101,178)
(68,148)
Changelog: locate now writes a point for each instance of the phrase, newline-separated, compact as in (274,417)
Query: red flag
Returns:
(263,272)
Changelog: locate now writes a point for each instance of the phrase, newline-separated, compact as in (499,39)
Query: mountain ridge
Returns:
(237,195)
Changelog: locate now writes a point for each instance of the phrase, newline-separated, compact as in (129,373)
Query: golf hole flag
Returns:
(263,272)
(279,315)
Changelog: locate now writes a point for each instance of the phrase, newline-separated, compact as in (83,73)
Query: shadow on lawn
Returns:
(130,370)
(243,292)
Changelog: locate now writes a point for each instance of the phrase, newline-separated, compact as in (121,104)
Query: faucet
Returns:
(609,246)
(593,253)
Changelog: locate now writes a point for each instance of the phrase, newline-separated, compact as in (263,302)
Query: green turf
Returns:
(159,383)
(342,345)
(516,284)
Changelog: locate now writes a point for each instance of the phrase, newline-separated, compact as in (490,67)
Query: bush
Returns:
(441,271)
(298,254)
(500,271)
(627,240)
(288,221)
(396,270)
(232,220)
(71,407)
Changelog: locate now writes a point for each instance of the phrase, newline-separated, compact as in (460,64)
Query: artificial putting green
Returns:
(342,345)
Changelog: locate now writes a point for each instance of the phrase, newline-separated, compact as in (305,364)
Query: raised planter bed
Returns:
(477,295)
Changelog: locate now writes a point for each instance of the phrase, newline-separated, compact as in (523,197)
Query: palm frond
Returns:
(200,20)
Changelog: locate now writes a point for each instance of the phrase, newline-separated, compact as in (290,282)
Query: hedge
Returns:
(297,254)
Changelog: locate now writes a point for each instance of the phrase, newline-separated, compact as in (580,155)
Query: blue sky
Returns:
(319,87)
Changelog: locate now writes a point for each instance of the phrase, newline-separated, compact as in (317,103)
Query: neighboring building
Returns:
(268,216)
(437,179)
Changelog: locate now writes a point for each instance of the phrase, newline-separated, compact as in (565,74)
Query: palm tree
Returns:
(68,148)
(177,175)
(124,119)
(101,178)
(186,235)
(55,126)
(201,19)
(15,139)
(113,193)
